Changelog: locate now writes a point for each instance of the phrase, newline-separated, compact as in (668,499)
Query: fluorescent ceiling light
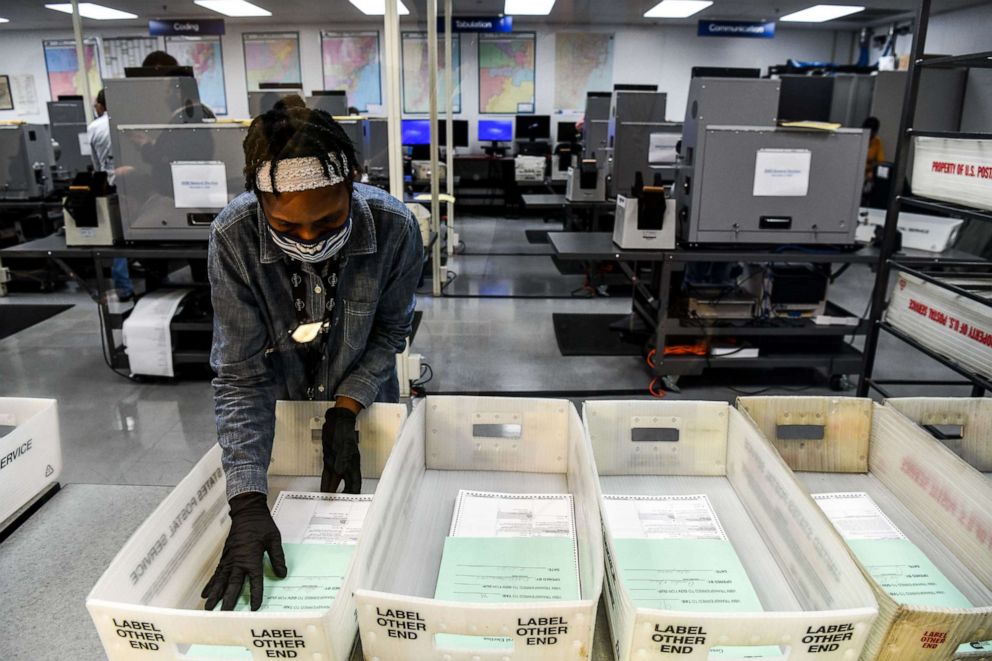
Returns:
(233,7)
(677,8)
(378,7)
(4,20)
(821,13)
(91,10)
(528,7)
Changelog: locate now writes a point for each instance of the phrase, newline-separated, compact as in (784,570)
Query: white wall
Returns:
(663,56)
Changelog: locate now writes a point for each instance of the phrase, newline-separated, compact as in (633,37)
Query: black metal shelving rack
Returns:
(886,264)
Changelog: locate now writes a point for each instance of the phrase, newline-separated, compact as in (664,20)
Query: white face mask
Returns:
(314,251)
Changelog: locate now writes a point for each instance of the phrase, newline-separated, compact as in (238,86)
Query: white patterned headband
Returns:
(304,173)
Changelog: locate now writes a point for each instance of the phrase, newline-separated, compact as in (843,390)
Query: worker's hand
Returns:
(342,460)
(253,533)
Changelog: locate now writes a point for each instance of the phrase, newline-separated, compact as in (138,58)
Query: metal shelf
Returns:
(974,378)
(190,357)
(968,213)
(783,327)
(971,60)
(846,360)
(955,135)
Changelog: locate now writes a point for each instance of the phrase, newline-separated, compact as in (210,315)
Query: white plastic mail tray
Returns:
(942,505)
(963,424)
(816,604)
(147,604)
(952,325)
(508,445)
(30,453)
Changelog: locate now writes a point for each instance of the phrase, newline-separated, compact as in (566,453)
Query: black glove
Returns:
(342,460)
(252,534)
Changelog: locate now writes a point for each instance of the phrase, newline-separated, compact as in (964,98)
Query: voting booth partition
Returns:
(510,445)
(30,453)
(808,600)
(917,519)
(962,424)
(147,603)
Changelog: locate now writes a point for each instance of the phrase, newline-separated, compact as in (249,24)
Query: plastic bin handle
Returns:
(800,432)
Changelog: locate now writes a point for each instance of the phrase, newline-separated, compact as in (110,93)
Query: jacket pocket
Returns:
(358,319)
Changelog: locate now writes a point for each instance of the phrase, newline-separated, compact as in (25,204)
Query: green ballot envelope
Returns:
(497,570)
(316,572)
(906,573)
(696,575)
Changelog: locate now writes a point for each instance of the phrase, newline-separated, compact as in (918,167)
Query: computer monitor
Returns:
(533,127)
(415,132)
(567,132)
(156,72)
(495,130)
(460,137)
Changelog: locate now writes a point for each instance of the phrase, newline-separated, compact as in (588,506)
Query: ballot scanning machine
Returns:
(596,126)
(26,158)
(175,172)
(634,116)
(67,118)
(742,179)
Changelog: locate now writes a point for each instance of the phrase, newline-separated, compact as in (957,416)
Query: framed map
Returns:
(350,62)
(416,76)
(121,52)
(271,57)
(506,73)
(205,56)
(64,77)
(583,63)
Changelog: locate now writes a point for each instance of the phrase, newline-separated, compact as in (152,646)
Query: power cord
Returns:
(103,350)
(417,387)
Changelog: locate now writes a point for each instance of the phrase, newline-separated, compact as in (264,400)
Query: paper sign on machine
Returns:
(782,172)
(199,184)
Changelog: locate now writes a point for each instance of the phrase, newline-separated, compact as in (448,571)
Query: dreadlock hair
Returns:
(291,130)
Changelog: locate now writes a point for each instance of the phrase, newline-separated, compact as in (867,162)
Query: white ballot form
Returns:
(487,514)
(305,517)
(663,517)
(856,516)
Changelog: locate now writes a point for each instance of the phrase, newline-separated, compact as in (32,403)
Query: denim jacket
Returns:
(255,359)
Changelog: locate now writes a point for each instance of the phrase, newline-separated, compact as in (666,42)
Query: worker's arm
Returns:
(245,402)
(244,389)
(393,319)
